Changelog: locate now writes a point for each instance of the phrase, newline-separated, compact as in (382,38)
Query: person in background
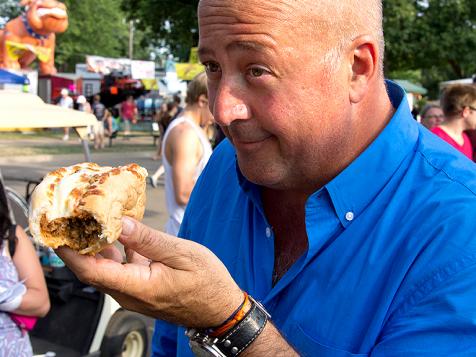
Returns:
(168,112)
(83,104)
(66,102)
(459,106)
(177,106)
(19,264)
(98,108)
(115,121)
(185,151)
(328,203)
(99,131)
(108,122)
(128,112)
(432,115)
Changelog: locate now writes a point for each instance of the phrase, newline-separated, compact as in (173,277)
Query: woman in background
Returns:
(432,115)
(18,263)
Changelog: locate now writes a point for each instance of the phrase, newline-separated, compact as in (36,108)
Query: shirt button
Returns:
(349,216)
(268,232)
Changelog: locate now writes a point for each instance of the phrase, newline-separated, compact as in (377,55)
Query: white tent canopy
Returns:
(26,110)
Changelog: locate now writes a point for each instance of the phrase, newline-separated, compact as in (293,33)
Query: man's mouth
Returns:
(249,143)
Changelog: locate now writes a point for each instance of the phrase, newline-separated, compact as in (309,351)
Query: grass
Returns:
(40,143)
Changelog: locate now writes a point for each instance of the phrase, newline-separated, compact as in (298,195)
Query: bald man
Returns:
(328,203)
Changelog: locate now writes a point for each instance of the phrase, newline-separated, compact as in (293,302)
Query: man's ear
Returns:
(363,58)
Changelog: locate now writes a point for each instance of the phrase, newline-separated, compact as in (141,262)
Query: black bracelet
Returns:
(235,341)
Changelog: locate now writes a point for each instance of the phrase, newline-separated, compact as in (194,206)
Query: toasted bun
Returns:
(81,206)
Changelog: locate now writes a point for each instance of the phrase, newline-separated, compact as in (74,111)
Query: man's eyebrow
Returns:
(203,51)
(247,46)
(237,46)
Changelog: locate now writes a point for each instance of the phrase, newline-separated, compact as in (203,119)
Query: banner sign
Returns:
(124,66)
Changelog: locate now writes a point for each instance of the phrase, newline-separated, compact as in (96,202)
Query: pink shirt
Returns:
(466,148)
(128,110)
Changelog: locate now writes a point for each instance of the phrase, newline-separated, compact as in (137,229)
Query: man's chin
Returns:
(261,173)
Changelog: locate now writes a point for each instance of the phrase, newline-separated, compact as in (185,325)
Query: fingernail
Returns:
(127,226)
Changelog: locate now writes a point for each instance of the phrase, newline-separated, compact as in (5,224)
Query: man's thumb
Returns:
(128,226)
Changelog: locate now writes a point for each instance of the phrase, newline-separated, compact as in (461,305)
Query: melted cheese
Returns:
(62,202)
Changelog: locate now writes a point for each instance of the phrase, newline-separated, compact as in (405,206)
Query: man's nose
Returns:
(229,105)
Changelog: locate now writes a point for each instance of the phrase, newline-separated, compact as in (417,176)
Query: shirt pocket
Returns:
(309,347)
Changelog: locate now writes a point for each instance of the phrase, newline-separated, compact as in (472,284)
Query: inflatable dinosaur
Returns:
(32,35)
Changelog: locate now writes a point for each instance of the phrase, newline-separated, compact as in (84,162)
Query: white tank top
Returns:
(175,210)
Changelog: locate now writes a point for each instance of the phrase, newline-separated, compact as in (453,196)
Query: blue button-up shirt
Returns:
(391,265)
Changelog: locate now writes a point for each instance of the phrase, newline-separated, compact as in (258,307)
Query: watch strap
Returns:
(236,340)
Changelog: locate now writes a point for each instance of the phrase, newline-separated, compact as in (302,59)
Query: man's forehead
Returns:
(253,24)
(242,9)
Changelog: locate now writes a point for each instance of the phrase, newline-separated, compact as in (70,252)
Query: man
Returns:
(459,105)
(99,110)
(186,150)
(66,102)
(329,204)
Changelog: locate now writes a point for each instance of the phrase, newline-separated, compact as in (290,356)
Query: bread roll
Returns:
(81,206)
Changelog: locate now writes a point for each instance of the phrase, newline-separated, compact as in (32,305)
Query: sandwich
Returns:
(81,206)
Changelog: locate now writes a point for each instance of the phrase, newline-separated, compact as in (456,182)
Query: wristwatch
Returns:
(234,341)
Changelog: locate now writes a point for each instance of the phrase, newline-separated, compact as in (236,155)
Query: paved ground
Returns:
(17,169)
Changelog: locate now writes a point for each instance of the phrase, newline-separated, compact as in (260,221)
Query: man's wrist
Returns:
(233,340)
(234,318)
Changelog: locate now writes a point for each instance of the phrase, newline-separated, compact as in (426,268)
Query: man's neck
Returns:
(193,112)
(454,128)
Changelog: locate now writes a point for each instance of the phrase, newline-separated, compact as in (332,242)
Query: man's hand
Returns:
(165,277)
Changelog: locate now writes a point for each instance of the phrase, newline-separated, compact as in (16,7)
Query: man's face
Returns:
(471,118)
(269,91)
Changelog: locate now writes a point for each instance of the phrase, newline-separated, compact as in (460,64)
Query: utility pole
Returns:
(131,39)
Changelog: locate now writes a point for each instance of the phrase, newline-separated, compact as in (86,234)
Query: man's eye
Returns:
(256,71)
(212,67)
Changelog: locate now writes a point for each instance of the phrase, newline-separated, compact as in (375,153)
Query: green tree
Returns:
(173,23)
(96,27)
(9,9)
(434,38)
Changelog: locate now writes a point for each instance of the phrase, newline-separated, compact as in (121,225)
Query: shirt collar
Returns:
(355,187)
(360,182)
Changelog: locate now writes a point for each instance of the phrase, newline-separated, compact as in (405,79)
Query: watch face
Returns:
(202,350)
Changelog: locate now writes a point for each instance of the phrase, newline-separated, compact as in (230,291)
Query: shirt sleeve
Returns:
(440,323)
(164,340)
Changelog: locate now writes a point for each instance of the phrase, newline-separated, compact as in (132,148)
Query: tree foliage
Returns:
(435,37)
(8,9)
(173,23)
(96,27)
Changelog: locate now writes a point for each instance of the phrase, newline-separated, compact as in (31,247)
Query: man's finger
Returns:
(174,252)
(111,252)
(136,258)
(106,274)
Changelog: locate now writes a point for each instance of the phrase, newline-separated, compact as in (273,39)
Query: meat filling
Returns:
(79,232)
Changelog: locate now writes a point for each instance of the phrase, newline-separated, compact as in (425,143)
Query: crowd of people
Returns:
(454,118)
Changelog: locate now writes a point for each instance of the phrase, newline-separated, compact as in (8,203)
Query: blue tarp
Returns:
(12,78)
